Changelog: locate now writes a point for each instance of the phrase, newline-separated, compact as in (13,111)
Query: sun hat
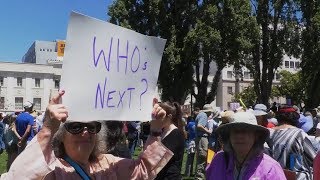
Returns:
(226,115)
(260,110)
(244,120)
(28,104)
(207,108)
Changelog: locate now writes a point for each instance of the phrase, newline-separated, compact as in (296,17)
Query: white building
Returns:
(45,52)
(227,85)
(21,82)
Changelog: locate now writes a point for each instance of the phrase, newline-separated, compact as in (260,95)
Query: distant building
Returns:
(21,82)
(45,52)
(228,86)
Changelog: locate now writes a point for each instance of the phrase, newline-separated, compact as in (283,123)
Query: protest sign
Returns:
(109,72)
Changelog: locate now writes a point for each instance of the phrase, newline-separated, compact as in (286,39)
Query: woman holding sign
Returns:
(76,151)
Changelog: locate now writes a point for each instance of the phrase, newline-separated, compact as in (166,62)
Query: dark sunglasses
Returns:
(78,127)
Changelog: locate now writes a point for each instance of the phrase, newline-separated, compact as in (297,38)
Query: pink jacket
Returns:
(31,164)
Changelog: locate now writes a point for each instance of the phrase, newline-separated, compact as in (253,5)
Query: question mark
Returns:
(143,80)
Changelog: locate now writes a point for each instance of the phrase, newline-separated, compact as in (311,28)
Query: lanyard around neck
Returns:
(78,169)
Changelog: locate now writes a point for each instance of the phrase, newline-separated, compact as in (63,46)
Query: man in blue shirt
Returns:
(24,123)
(202,139)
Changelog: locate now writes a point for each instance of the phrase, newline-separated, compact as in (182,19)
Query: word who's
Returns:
(131,56)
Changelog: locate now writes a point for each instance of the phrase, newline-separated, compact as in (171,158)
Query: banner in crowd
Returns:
(109,72)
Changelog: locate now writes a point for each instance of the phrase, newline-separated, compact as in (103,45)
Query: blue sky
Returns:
(23,22)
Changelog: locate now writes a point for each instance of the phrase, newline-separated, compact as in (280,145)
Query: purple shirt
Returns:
(260,167)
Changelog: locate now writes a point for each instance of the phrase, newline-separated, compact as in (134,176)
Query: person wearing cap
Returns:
(260,111)
(202,140)
(291,146)
(24,123)
(242,156)
(74,149)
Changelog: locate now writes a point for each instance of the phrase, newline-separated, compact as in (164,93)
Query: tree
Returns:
(170,20)
(221,35)
(291,86)
(277,25)
(310,63)
(247,95)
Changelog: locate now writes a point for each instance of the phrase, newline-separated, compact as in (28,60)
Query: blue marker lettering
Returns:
(130,89)
(122,57)
(109,98)
(120,100)
(135,49)
(96,60)
(98,93)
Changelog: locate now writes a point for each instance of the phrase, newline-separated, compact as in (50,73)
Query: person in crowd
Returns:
(316,167)
(308,126)
(11,138)
(24,124)
(225,118)
(76,150)
(202,140)
(133,135)
(291,146)
(173,138)
(242,156)
(212,124)
(191,146)
(116,139)
(145,132)
(274,107)
(260,111)
(272,121)
(2,128)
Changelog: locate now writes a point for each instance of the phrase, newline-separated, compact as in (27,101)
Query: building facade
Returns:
(45,52)
(21,82)
(228,86)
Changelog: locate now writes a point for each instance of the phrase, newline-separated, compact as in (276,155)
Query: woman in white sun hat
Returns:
(242,156)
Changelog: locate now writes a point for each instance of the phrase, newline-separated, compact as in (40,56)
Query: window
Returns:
(1,81)
(37,82)
(57,84)
(37,103)
(18,103)
(19,81)
(229,89)
(50,50)
(297,64)
(40,49)
(246,75)
(229,74)
(2,103)
(291,64)
(286,64)
(278,76)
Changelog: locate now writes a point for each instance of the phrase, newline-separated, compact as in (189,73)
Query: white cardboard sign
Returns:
(109,72)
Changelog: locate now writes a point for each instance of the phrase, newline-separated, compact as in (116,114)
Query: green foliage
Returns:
(291,86)
(274,35)
(221,36)
(311,51)
(170,20)
(248,96)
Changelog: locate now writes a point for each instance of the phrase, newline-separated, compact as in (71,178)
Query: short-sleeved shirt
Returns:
(191,128)
(201,119)
(23,120)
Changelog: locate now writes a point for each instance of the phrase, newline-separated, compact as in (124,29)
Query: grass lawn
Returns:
(3,162)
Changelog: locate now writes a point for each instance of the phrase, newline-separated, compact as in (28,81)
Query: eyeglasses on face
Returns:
(78,127)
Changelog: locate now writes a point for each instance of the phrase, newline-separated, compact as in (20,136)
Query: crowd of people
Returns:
(266,143)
